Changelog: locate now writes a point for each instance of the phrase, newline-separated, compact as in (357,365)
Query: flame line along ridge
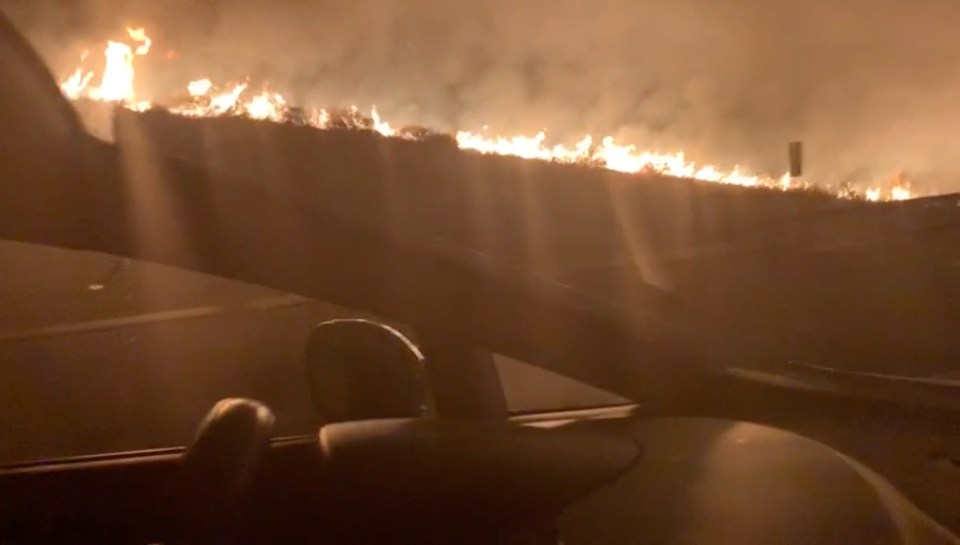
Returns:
(205,99)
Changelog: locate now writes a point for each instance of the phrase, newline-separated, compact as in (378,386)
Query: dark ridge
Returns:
(767,275)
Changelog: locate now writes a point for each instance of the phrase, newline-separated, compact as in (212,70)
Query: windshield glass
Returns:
(103,354)
(771,206)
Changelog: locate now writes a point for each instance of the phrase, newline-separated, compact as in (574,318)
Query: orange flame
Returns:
(199,88)
(900,193)
(116,84)
(266,106)
(74,85)
(379,125)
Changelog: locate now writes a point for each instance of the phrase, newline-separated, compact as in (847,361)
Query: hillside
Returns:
(770,275)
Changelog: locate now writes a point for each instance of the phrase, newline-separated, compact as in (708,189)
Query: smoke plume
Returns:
(868,85)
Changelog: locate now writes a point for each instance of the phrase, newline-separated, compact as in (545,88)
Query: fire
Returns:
(208,100)
(900,193)
(786,181)
(139,35)
(116,84)
(899,190)
(379,125)
(609,154)
(224,102)
(73,86)
(266,106)
(199,88)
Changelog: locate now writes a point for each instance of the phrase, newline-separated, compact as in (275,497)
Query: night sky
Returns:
(869,85)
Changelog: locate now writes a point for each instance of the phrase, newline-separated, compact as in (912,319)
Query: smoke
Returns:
(868,85)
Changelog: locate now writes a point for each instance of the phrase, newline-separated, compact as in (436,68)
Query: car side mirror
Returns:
(363,370)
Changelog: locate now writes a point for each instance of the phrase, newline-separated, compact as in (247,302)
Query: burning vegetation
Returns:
(204,98)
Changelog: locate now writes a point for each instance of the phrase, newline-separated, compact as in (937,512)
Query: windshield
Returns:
(683,206)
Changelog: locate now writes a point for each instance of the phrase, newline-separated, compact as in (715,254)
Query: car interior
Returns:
(412,438)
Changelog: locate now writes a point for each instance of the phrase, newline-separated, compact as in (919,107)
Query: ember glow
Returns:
(209,100)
